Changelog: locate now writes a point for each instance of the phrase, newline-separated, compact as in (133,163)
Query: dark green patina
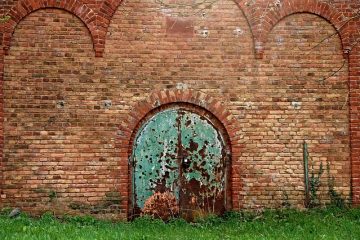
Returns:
(178,150)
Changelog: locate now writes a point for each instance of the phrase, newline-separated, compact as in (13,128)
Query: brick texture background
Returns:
(275,73)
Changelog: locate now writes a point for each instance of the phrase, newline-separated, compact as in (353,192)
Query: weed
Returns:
(315,183)
(48,217)
(147,220)
(52,195)
(209,220)
(335,198)
(4,19)
(242,216)
(5,211)
(177,222)
(81,220)
(285,201)
(78,206)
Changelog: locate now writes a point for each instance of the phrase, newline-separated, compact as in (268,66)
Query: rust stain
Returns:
(182,152)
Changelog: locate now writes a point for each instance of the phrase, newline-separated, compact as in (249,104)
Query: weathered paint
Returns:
(202,177)
(180,151)
(155,158)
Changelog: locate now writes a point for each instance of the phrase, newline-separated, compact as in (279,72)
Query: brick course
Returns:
(257,66)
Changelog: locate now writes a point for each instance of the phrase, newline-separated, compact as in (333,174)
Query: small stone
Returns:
(107,104)
(14,213)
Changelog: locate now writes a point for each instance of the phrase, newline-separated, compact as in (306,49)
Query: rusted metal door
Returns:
(178,150)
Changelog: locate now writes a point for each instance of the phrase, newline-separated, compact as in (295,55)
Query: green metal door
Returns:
(178,150)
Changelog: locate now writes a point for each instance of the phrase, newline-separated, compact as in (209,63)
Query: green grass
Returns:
(286,224)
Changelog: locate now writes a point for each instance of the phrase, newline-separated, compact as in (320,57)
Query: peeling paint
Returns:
(181,152)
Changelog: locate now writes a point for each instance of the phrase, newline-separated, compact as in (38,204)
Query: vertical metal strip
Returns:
(132,165)
(306,172)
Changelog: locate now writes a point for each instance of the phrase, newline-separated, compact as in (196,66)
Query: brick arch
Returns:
(105,14)
(247,14)
(289,7)
(109,7)
(25,7)
(130,125)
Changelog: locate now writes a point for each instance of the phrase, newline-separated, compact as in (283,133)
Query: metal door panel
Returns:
(155,157)
(178,150)
(203,166)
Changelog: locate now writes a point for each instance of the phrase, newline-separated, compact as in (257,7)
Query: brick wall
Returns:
(355,123)
(274,85)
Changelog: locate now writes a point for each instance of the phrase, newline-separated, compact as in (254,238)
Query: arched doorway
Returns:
(185,150)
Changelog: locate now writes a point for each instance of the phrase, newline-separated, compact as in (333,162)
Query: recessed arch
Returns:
(128,129)
(332,33)
(289,7)
(24,7)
